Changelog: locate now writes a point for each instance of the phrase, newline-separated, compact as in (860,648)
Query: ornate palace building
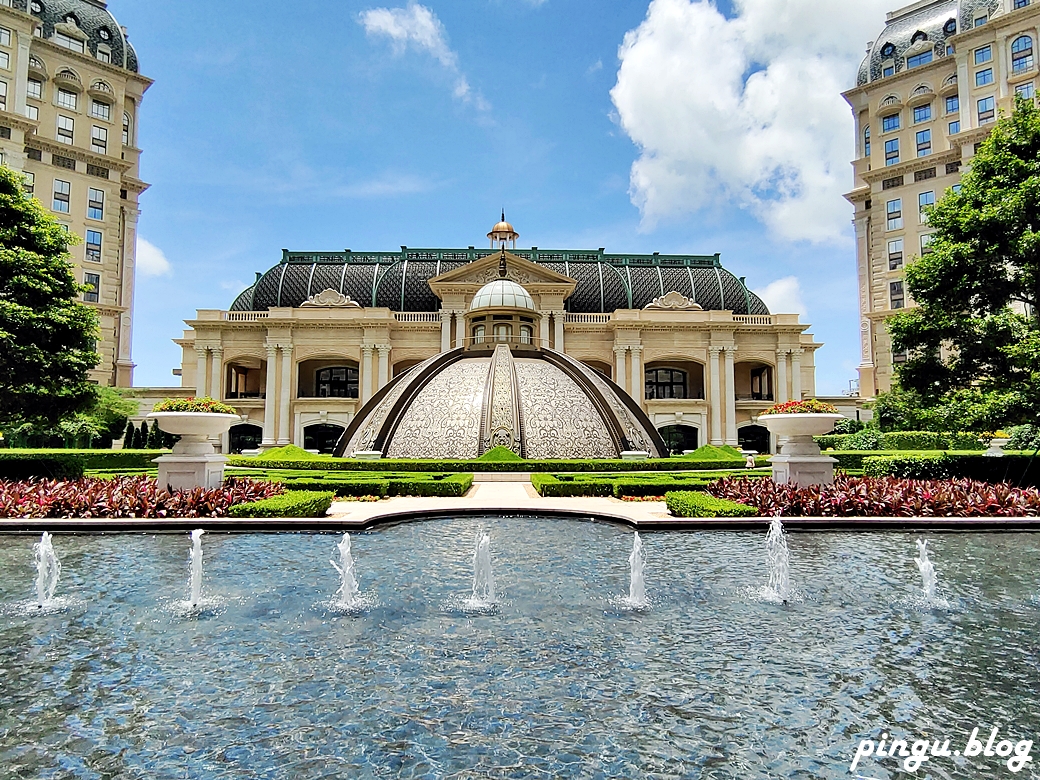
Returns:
(70,93)
(934,81)
(302,350)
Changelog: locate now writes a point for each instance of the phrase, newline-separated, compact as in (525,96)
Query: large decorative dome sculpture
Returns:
(537,402)
(502,293)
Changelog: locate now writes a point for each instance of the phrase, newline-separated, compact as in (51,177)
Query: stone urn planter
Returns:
(193,462)
(800,461)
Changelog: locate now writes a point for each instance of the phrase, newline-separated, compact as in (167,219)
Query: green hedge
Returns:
(1014,468)
(686,503)
(550,486)
(570,485)
(292,503)
(67,464)
(433,485)
(872,440)
(923,466)
(465,466)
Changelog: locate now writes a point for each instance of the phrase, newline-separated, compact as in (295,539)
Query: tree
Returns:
(47,336)
(154,437)
(128,438)
(141,437)
(973,345)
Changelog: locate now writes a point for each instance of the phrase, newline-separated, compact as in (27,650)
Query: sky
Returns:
(671,126)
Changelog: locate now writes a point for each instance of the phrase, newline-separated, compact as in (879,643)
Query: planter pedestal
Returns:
(800,461)
(184,472)
(193,462)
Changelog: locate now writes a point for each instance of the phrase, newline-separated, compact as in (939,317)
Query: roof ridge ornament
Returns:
(330,299)
(674,301)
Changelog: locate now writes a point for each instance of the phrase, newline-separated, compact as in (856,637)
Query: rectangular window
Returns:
(30,182)
(983,77)
(95,204)
(987,110)
(1022,54)
(898,358)
(924,174)
(93,282)
(68,43)
(35,89)
(63,162)
(62,191)
(925,201)
(926,244)
(5,36)
(94,246)
(889,70)
(894,214)
(924,143)
(981,20)
(66,128)
(891,184)
(919,59)
(5,60)
(889,123)
(1025,90)
(922,113)
(99,140)
(985,54)
(953,104)
(67,99)
(895,254)
(103,55)
(953,167)
(956,189)
(955,127)
(33,154)
(33,113)
(1021,3)
(892,151)
(101,110)
(97,170)
(3,95)
(866,142)
(895,295)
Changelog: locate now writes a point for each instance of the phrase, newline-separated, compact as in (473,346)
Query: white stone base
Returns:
(634,455)
(803,470)
(185,472)
(368,455)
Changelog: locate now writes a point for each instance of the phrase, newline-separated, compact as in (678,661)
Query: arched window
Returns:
(888,50)
(526,334)
(503,331)
(918,36)
(950,27)
(478,334)
(665,383)
(336,382)
(127,129)
(1022,54)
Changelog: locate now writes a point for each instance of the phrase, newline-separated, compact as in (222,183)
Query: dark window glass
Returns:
(665,383)
(336,382)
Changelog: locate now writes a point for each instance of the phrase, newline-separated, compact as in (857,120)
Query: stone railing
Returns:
(417,316)
(753,319)
(588,319)
(246,316)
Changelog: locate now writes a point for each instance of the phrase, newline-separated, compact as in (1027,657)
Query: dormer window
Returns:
(68,42)
(950,27)
(70,19)
(918,36)
(918,60)
(104,34)
(36,7)
(888,50)
(104,54)
(981,20)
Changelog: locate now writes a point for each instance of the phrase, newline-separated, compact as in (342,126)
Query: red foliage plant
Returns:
(881,497)
(125,497)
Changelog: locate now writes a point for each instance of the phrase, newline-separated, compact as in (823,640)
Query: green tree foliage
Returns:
(155,440)
(128,438)
(141,437)
(46,335)
(972,353)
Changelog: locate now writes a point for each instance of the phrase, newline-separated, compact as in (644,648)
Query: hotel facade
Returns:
(932,84)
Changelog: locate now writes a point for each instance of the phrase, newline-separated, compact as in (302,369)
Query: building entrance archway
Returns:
(680,438)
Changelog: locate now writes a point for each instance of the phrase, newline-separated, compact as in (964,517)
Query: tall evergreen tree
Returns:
(47,336)
(128,438)
(154,436)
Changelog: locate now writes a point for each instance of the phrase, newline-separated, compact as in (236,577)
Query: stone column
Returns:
(269,396)
(619,366)
(558,317)
(781,376)
(460,329)
(200,372)
(285,393)
(216,379)
(715,395)
(384,365)
(731,400)
(543,331)
(796,375)
(366,373)
(21,84)
(637,390)
(445,330)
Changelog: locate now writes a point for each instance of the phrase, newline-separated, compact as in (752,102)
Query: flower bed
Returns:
(204,405)
(881,497)
(125,497)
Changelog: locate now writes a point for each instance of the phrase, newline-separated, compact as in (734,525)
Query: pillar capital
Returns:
(716,350)
(382,348)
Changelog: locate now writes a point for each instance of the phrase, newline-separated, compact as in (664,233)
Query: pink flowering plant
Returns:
(207,405)
(808,406)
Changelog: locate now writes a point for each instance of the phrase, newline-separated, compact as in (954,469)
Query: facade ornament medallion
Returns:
(330,299)
(674,301)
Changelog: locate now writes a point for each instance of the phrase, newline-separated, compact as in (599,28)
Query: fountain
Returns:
(195,567)
(636,585)
(347,597)
(48,568)
(483,580)
(778,558)
(927,569)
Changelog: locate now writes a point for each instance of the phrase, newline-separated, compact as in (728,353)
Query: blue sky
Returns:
(317,125)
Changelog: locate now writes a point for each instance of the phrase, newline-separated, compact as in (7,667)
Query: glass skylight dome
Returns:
(502,293)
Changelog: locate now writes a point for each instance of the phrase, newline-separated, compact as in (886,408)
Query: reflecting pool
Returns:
(268,679)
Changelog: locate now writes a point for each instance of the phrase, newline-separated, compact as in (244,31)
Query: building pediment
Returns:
(471,277)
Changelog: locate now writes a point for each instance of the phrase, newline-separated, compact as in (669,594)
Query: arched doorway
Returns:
(679,438)
(754,437)
(322,437)
(245,437)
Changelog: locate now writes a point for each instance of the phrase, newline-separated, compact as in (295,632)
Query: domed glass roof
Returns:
(502,292)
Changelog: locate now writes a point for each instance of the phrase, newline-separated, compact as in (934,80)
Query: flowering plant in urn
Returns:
(800,461)
(199,422)
(808,406)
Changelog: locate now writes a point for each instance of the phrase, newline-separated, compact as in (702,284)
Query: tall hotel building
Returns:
(932,84)
(70,93)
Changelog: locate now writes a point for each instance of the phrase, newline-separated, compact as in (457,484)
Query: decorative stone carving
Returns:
(674,301)
(330,299)
(490,274)
(502,424)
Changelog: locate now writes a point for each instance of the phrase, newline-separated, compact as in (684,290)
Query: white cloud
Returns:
(150,259)
(745,111)
(784,296)
(417,27)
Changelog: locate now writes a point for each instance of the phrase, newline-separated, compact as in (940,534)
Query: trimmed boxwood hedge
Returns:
(570,485)
(901,441)
(464,466)
(70,464)
(687,503)
(924,466)
(292,503)
(431,485)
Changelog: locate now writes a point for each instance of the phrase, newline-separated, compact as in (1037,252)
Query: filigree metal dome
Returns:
(536,402)
(502,293)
